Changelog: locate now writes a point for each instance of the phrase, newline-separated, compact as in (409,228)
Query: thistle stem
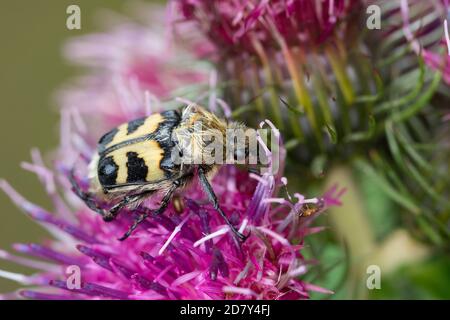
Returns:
(339,70)
(344,84)
(304,100)
(320,91)
(270,83)
(351,224)
(257,90)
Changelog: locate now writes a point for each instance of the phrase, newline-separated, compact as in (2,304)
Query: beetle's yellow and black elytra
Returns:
(135,161)
(137,152)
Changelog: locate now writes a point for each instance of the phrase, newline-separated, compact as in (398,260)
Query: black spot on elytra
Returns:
(134,125)
(162,135)
(137,169)
(106,139)
(107,171)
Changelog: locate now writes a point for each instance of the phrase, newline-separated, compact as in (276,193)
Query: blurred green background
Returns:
(32,69)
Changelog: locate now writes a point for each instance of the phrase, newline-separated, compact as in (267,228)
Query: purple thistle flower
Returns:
(188,255)
(236,25)
(177,255)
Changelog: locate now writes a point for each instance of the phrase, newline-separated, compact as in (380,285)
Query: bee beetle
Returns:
(141,158)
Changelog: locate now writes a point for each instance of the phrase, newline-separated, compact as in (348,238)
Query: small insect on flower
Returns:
(309,209)
(159,154)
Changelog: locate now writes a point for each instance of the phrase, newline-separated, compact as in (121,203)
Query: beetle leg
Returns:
(86,197)
(126,201)
(213,199)
(164,203)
